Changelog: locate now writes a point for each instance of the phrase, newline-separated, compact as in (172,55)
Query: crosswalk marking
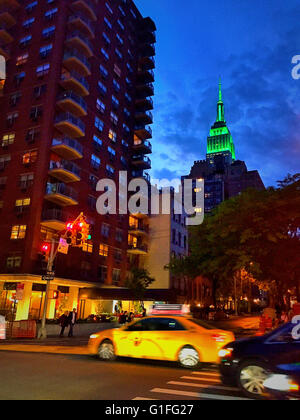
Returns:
(143,399)
(207,374)
(217,381)
(216,387)
(196,394)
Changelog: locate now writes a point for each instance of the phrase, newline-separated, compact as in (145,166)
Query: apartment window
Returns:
(3,181)
(31,6)
(25,41)
(29,157)
(43,70)
(99,124)
(45,51)
(103,71)
(102,274)
(112,152)
(129,68)
(18,232)
(113,118)
(105,54)
(22,204)
(95,162)
(119,235)
(108,24)
(116,85)
(120,39)
(128,97)
(32,134)
(100,106)
(19,77)
(102,88)
(127,113)
(39,91)
(105,229)
(22,59)
(126,129)
(117,70)
(109,8)
(125,144)
(133,14)
(110,170)
(50,14)
(26,181)
(97,142)
(106,38)
(13,262)
(36,112)
(119,54)
(8,139)
(123,161)
(122,11)
(4,161)
(103,250)
(15,99)
(93,180)
(48,32)
(116,276)
(112,135)
(121,24)
(115,102)
(92,202)
(87,247)
(28,23)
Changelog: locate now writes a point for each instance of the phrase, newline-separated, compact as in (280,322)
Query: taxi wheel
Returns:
(188,357)
(251,376)
(106,351)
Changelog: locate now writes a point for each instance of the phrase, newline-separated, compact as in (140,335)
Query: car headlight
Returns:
(281,383)
(225,352)
(93,336)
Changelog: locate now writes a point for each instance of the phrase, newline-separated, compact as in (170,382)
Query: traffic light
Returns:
(43,255)
(86,234)
(78,232)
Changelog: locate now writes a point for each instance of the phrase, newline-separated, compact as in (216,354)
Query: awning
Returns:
(126,294)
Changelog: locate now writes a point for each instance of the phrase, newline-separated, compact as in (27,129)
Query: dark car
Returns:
(247,363)
(284,384)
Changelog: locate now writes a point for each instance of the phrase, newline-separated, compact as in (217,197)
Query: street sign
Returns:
(63,246)
(20,291)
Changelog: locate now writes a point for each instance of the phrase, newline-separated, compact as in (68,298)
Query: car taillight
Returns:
(225,352)
(219,338)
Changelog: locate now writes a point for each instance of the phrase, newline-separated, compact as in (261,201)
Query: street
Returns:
(27,376)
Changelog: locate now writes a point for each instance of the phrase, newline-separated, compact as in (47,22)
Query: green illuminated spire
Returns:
(220,140)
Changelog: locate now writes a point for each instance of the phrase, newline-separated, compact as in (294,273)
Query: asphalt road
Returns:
(28,376)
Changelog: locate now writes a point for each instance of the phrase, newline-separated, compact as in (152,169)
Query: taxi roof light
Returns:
(169,309)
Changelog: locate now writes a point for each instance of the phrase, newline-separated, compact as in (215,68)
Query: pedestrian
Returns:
(130,317)
(63,322)
(72,321)
(144,313)
(284,317)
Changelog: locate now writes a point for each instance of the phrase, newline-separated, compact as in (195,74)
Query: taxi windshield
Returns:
(201,323)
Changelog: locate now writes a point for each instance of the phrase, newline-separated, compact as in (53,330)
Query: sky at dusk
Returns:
(250,44)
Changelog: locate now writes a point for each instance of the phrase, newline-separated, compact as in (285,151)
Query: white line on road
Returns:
(196,394)
(143,399)
(219,388)
(207,374)
(217,381)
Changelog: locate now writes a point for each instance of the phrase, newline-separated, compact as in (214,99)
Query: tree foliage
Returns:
(257,231)
(138,281)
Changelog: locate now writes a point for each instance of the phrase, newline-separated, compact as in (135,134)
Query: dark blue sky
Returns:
(250,44)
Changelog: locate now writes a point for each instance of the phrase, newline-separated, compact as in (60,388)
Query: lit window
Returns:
(18,232)
(103,250)
(87,247)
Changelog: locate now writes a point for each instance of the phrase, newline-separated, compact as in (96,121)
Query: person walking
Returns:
(72,321)
(63,322)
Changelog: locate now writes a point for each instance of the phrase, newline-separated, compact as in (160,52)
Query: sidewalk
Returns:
(51,345)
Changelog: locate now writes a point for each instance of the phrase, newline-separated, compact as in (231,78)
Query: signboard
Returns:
(48,277)
(169,309)
(20,291)
(2,328)
(63,246)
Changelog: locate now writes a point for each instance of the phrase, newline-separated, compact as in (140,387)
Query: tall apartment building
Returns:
(76,107)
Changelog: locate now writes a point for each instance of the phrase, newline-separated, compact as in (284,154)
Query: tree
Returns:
(138,281)
(257,231)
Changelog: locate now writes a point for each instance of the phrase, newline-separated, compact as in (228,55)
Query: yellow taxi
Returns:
(162,337)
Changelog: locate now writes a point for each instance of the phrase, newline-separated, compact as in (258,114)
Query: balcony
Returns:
(75,82)
(142,146)
(86,7)
(143,117)
(64,171)
(145,103)
(70,102)
(5,35)
(147,50)
(54,219)
(147,35)
(137,249)
(82,23)
(147,62)
(75,61)
(139,229)
(70,125)
(147,24)
(61,195)
(7,18)
(67,148)
(78,41)
(141,162)
(143,132)
(144,89)
(145,75)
